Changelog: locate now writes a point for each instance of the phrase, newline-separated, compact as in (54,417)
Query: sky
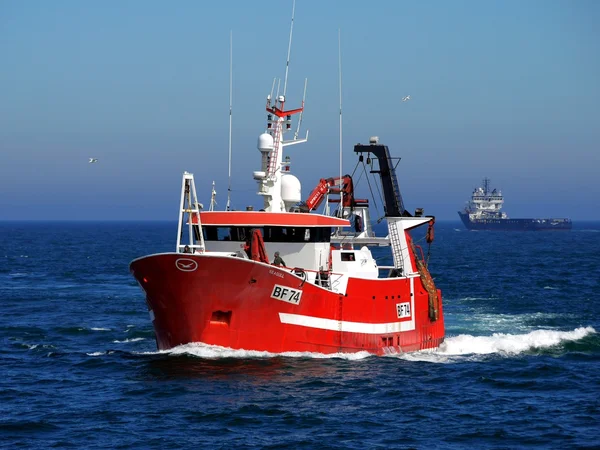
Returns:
(508,90)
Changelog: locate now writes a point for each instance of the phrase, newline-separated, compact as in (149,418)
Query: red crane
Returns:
(330,185)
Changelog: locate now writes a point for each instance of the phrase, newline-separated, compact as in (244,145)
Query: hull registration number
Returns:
(286,294)
(403,310)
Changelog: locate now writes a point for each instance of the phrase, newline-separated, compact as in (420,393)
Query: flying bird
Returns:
(405,99)
(93,160)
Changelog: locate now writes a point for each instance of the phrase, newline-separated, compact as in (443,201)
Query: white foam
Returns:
(109,352)
(457,347)
(130,340)
(215,352)
(550,288)
(100,329)
(505,323)
(453,349)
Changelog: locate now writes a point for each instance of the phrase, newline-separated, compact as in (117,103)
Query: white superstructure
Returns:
(276,185)
(486,203)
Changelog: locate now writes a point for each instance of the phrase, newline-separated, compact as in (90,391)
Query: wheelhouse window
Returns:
(297,234)
(270,234)
(348,256)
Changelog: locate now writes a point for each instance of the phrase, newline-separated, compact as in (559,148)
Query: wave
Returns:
(130,340)
(215,352)
(18,274)
(453,349)
(498,343)
(107,352)
(480,323)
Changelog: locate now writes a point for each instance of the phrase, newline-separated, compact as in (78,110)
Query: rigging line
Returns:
(371,190)
(355,167)
(359,178)
(379,192)
(428,255)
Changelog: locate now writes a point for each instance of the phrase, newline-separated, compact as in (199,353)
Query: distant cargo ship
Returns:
(483,213)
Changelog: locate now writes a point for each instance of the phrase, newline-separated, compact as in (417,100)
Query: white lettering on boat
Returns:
(403,310)
(286,294)
(274,272)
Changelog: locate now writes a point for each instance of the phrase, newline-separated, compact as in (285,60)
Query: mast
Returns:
(271,143)
(287,62)
(486,186)
(230,115)
(213,198)
(394,205)
(340,87)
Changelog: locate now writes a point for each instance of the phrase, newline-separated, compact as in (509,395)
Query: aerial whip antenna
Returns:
(213,198)
(340,87)
(287,63)
(300,118)
(230,110)
(272,89)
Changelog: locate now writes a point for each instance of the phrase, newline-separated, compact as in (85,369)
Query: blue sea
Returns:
(520,367)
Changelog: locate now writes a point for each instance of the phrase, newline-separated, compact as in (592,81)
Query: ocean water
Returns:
(520,367)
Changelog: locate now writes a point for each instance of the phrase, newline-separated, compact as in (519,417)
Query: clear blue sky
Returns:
(504,89)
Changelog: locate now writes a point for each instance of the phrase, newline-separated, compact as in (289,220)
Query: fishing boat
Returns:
(322,290)
(484,212)
(220,287)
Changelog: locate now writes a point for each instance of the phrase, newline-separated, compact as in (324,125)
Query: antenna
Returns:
(340,85)
(287,63)
(301,113)
(278,84)
(272,89)
(213,198)
(230,110)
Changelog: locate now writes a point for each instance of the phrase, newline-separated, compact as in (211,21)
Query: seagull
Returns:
(93,160)
(405,99)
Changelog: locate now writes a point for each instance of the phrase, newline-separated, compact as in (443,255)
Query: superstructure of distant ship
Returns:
(483,212)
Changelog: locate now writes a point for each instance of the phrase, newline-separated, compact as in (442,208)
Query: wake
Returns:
(454,349)
(215,352)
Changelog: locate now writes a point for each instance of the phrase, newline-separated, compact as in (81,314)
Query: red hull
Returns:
(229,302)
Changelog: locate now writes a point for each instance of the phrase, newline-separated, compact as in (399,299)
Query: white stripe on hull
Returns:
(348,327)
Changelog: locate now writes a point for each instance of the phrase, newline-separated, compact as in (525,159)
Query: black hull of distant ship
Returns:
(516,224)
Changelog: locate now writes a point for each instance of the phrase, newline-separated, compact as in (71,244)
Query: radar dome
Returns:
(291,190)
(265,142)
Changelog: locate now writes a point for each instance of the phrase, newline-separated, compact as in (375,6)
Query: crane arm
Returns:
(330,185)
